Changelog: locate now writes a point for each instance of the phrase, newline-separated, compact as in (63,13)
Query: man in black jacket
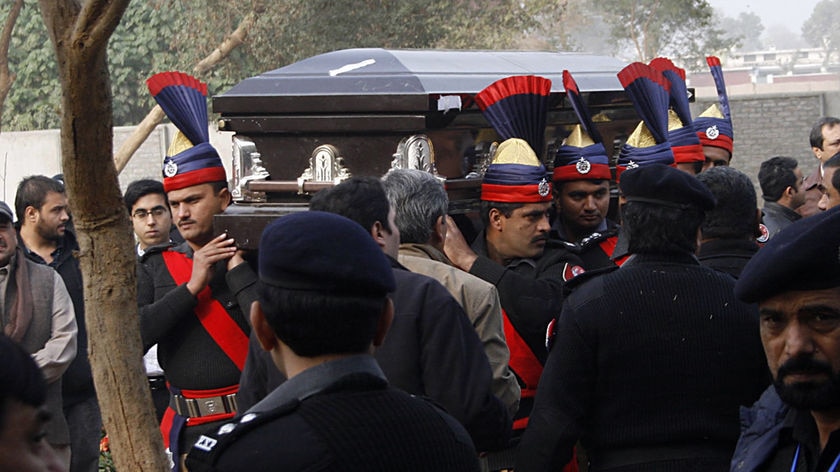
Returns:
(321,309)
(795,280)
(431,349)
(651,361)
(782,189)
(194,297)
(511,253)
(727,235)
(43,218)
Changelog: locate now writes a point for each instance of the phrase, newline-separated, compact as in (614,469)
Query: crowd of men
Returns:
(696,333)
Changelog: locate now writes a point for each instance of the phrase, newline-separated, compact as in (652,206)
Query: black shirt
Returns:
(800,432)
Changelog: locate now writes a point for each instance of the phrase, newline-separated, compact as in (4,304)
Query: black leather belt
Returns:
(633,456)
(197,407)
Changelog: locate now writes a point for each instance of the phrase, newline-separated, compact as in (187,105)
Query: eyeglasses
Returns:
(142,213)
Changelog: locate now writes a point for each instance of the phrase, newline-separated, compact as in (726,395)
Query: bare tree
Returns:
(80,32)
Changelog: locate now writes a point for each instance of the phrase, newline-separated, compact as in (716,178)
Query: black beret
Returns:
(321,251)
(663,185)
(803,256)
(5,212)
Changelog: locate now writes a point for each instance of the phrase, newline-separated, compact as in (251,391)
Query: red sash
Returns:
(524,363)
(528,368)
(608,246)
(212,315)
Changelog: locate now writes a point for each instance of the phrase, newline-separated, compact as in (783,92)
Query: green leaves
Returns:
(820,29)
(158,35)
(675,28)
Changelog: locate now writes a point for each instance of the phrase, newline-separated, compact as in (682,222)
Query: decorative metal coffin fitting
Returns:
(415,152)
(325,166)
(247,167)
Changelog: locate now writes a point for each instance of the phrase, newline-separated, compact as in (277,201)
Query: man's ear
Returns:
(817,153)
(29,213)
(495,218)
(264,332)
(226,197)
(377,231)
(438,231)
(384,322)
(698,241)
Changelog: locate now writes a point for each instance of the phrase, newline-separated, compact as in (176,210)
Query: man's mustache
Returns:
(803,365)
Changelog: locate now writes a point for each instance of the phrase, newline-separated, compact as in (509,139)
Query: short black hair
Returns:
(32,192)
(20,378)
(361,199)
(506,209)
(775,175)
(140,188)
(314,323)
(734,215)
(557,185)
(816,135)
(658,229)
(218,185)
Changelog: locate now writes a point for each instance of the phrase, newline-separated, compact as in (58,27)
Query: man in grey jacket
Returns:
(420,206)
(37,313)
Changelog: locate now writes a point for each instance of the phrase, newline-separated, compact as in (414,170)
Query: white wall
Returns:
(24,153)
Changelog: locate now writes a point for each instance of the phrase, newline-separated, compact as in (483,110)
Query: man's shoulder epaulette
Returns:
(584,276)
(206,451)
(151,251)
(597,237)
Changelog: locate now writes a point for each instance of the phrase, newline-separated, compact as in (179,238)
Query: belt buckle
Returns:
(210,406)
(198,407)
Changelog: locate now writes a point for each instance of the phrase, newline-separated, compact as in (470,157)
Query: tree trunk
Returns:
(80,33)
(7,78)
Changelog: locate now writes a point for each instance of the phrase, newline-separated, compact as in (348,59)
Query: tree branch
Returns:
(7,78)
(59,16)
(230,43)
(97,21)
(138,137)
(6,37)
(145,128)
(634,34)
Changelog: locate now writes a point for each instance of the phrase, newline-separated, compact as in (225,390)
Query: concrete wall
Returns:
(772,125)
(775,119)
(39,152)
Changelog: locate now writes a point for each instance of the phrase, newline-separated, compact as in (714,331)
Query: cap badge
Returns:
(583,166)
(632,165)
(170,168)
(712,132)
(571,271)
(544,188)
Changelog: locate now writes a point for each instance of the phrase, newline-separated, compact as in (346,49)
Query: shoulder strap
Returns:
(204,454)
(212,315)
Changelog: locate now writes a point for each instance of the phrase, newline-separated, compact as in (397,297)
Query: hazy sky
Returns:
(771,11)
